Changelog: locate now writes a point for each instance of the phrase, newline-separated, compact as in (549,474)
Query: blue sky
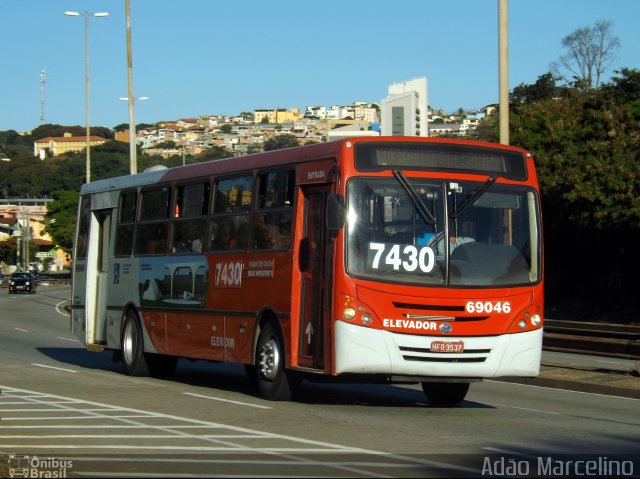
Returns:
(203,57)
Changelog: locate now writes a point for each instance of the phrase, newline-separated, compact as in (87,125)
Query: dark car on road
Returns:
(23,282)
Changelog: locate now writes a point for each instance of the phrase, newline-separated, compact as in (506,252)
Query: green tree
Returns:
(7,252)
(280,141)
(213,153)
(544,88)
(167,145)
(47,130)
(24,177)
(13,145)
(586,149)
(226,128)
(61,218)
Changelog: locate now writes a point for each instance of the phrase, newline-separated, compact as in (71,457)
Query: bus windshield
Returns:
(483,234)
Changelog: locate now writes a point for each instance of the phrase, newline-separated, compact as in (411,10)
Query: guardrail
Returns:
(599,339)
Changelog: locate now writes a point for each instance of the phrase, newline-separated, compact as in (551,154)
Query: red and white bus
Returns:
(392,259)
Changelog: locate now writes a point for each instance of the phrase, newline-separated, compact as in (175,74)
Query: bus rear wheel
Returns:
(133,357)
(273,382)
(445,394)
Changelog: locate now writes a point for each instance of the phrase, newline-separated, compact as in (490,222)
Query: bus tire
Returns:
(133,357)
(445,394)
(272,381)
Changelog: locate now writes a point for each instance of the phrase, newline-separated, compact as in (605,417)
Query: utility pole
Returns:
(133,153)
(503,54)
(43,76)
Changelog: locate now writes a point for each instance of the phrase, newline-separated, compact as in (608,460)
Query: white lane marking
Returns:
(102,426)
(68,339)
(118,436)
(497,450)
(66,418)
(556,390)
(523,408)
(289,454)
(22,330)
(228,400)
(60,311)
(53,367)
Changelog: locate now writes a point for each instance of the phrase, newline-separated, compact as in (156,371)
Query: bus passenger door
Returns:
(314,259)
(97,270)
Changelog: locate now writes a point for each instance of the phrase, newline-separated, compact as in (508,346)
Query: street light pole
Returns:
(503,54)
(133,152)
(86,63)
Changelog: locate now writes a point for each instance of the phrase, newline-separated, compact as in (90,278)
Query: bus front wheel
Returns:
(445,394)
(273,383)
(133,357)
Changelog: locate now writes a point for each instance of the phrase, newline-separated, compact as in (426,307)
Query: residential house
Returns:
(277,115)
(55,146)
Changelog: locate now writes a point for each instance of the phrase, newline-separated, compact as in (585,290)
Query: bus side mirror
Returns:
(335,212)
(304,255)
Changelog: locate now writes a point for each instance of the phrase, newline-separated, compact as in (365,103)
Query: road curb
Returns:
(596,382)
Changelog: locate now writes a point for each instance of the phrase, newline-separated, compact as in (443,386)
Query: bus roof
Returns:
(314,152)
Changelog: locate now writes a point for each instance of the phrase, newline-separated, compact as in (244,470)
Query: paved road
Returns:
(63,403)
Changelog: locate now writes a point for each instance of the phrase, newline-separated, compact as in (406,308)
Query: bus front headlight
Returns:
(348,313)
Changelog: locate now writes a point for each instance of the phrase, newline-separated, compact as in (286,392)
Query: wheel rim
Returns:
(128,342)
(270,359)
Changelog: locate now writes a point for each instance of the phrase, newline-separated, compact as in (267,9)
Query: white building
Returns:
(404,110)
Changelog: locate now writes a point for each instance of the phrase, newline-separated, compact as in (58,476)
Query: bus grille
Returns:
(425,355)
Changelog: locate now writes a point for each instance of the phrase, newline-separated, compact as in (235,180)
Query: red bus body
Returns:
(378,308)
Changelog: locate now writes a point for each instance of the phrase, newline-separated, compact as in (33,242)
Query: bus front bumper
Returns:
(362,350)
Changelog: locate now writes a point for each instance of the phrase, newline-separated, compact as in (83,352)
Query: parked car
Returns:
(24,282)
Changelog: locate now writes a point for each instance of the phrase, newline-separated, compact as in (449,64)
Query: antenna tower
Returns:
(43,76)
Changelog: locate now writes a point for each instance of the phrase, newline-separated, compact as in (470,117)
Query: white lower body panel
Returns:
(364,350)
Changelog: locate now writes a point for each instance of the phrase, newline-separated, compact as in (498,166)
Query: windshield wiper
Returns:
(415,198)
(473,196)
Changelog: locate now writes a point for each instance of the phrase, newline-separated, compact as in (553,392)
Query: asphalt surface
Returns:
(592,374)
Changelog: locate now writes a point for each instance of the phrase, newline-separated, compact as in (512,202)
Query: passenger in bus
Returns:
(437,242)
(156,244)
(196,246)
(225,237)
(262,235)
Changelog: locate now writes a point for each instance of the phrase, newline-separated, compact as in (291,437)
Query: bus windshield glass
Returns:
(484,234)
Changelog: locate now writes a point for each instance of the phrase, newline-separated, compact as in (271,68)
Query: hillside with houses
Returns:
(247,132)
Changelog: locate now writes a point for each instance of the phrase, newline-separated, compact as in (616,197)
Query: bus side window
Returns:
(151,238)
(83,227)
(153,221)
(189,219)
(231,213)
(126,223)
(272,223)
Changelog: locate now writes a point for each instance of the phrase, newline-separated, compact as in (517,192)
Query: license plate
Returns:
(447,347)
